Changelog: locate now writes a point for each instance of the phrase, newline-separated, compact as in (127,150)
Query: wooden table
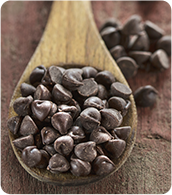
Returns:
(148,168)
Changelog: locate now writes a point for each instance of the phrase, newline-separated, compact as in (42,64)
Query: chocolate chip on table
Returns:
(159,59)
(64,145)
(61,94)
(117,52)
(102,165)
(111,118)
(95,102)
(48,135)
(42,93)
(86,151)
(128,66)
(165,44)
(14,124)
(58,164)
(90,118)
(28,126)
(22,105)
(105,78)
(115,147)
(132,26)
(122,132)
(145,96)
(89,72)
(80,167)
(100,135)
(120,90)
(72,79)
(110,22)
(37,75)
(27,89)
(31,156)
(24,141)
(111,36)
(153,31)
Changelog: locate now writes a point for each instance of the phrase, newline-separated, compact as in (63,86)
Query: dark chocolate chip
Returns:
(38,140)
(115,147)
(118,52)
(56,74)
(159,59)
(22,105)
(62,121)
(14,124)
(89,72)
(31,156)
(95,102)
(145,96)
(50,149)
(122,132)
(111,118)
(44,159)
(28,126)
(48,135)
(128,66)
(80,167)
(100,135)
(140,56)
(64,145)
(105,78)
(23,142)
(72,110)
(89,88)
(102,165)
(165,44)
(27,89)
(120,90)
(58,164)
(110,22)
(86,151)
(42,93)
(76,133)
(102,92)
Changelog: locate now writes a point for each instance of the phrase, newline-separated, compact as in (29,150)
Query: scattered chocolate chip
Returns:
(117,52)
(165,44)
(140,56)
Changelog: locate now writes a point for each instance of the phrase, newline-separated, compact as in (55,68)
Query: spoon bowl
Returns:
(71,39)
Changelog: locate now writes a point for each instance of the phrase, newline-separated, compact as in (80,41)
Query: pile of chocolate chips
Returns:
(69,120)
(138,45)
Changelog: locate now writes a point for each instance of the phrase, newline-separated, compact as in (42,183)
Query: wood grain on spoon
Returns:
(71,37)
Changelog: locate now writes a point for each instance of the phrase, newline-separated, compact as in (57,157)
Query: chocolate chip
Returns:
(159,59)
(72,110)
(50,149)
(42,93)
(86,151)
(89,88)
(165,44)
(100,135)
(132,26)
(89,72)
(110,22)
(48,135)
(27,89)
(64,145)
(90,118)
(153,31)
(94,102)
(23,142)
(62,121)
(122,132)
(111,118)
(117,52)
(102,165)
(14,124)
(56,74)
(145,96)
(115,147)
(72,79)
(31,156)
(102,92)
(105,78)
(111,36)
(61,94)
(58,164)
(44,159)
(80,167)
(140,56)
(76,133)
(37,74)
(128,66)
(22,105)
(28,126)
(120,90)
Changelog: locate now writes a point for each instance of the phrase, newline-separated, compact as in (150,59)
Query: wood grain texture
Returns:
(148,168)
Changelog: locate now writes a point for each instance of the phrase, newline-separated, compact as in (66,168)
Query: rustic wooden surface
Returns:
(148,168)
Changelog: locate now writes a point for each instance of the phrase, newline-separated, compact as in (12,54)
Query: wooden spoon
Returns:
(71,37)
